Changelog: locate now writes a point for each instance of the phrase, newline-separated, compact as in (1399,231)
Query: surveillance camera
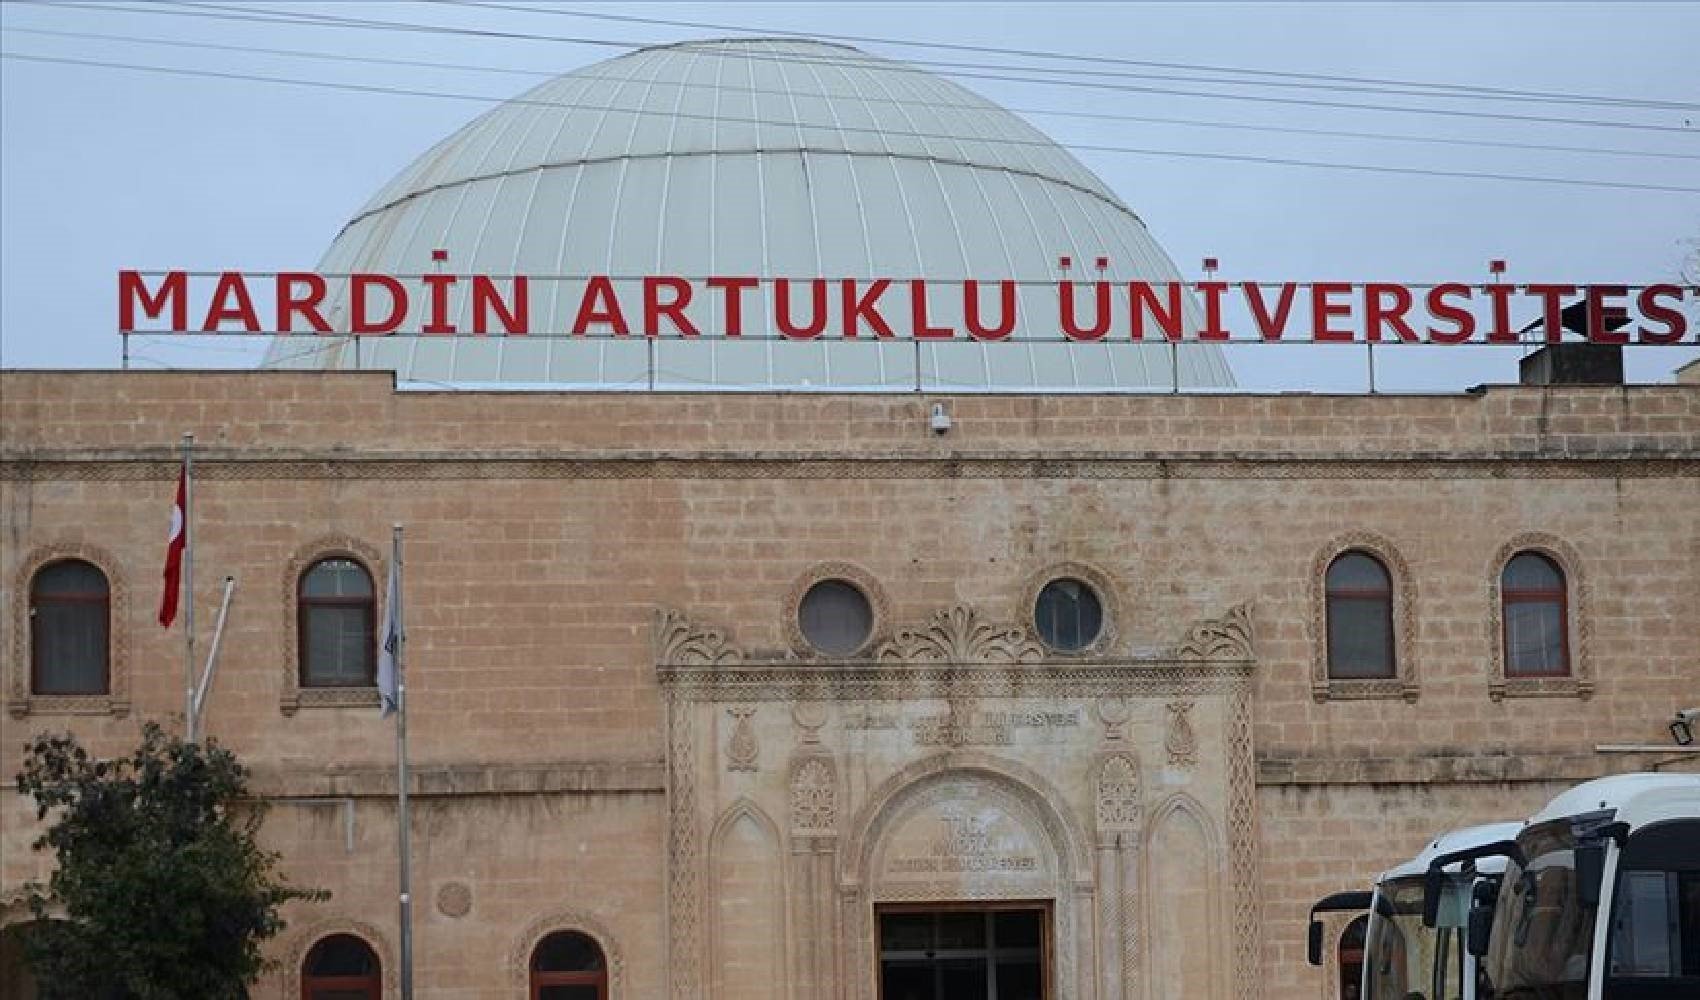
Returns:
(940,420)
(1682,727)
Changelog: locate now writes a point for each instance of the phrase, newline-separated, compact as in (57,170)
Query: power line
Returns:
(327,20)
(902,102)
(1042,143)
(1320,80)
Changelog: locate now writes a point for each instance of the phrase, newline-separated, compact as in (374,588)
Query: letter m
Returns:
(133,291)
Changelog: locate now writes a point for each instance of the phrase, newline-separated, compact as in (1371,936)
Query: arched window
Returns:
(70,627)
(1532,595)
(337,621)
(1352,959)
(568,965)
(1360,617)
(341,967)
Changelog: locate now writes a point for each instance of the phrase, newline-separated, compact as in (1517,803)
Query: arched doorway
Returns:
(1351,952)
(341,967)
(568,965)
(15,978)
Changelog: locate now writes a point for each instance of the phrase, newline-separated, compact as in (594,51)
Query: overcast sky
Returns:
(106,168)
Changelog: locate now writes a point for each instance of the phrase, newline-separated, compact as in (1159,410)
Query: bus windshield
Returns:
(1542,938)
(1403,960)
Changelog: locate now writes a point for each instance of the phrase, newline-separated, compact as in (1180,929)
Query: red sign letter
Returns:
(288,304)
(357,286)
(173,292)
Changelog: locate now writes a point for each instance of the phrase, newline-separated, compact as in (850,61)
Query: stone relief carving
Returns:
(957,635)
(1180,741)
(684,850)
(1242,840)
(1113,713)
(1227,638)
(454,899)
(742,748)
(1119,799)
(677,641)
(809,717)
(814,796)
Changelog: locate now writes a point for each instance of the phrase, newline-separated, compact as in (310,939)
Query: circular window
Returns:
(1068,615)
(835,617)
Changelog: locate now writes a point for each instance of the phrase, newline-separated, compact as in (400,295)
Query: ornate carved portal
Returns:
(960,764)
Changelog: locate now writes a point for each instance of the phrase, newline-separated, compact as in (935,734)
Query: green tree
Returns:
(164,891)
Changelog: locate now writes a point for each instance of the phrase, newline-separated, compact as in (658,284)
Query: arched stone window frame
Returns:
(292,696)
(857,577)
(1578,623)
(21,699)
(578,922)
(1404,682)
(1103,586)
(304,941)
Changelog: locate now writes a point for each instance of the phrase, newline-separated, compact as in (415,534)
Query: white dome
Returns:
(754,157)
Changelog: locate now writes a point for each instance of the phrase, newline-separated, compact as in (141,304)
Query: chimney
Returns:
(1581,362)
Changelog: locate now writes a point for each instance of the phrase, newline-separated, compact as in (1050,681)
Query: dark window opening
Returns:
(70,626)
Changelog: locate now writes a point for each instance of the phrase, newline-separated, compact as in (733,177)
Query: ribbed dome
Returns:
(770,158)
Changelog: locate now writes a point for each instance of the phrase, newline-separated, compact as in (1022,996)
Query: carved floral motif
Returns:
(677,641)
(1227,638)
(1180,741)
(814,797)
(742,749)
(1119,799)
(957,635)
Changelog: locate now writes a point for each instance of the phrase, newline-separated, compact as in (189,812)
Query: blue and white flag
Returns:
(390,639)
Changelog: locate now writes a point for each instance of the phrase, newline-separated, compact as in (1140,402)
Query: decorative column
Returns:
(1120,814)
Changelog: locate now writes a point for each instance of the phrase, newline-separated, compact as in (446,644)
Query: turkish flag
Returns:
(174,551)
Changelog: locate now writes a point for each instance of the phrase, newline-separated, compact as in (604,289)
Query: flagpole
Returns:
(406,896)
(189,586)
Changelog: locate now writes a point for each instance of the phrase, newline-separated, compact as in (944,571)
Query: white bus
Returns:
(1410,954)
(1600,898)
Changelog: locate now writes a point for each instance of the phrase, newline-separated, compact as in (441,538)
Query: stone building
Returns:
(791,694)
(634,714)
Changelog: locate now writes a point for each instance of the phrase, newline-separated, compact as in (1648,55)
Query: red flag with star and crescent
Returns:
(174,542)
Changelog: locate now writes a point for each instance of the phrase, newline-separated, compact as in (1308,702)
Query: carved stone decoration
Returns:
(684,853)
(454,899)
(742,748)
(814,796)
(291,695)
(1243,841)
(1180,741)
(1113,713)
(1227,638)
(1120,806)
(20,701)
(957,635)
(678,642)
(809,717)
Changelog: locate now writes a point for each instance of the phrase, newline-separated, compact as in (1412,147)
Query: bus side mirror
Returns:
(1590,872)
(1481,926)
(1432,881)
(1313,945)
